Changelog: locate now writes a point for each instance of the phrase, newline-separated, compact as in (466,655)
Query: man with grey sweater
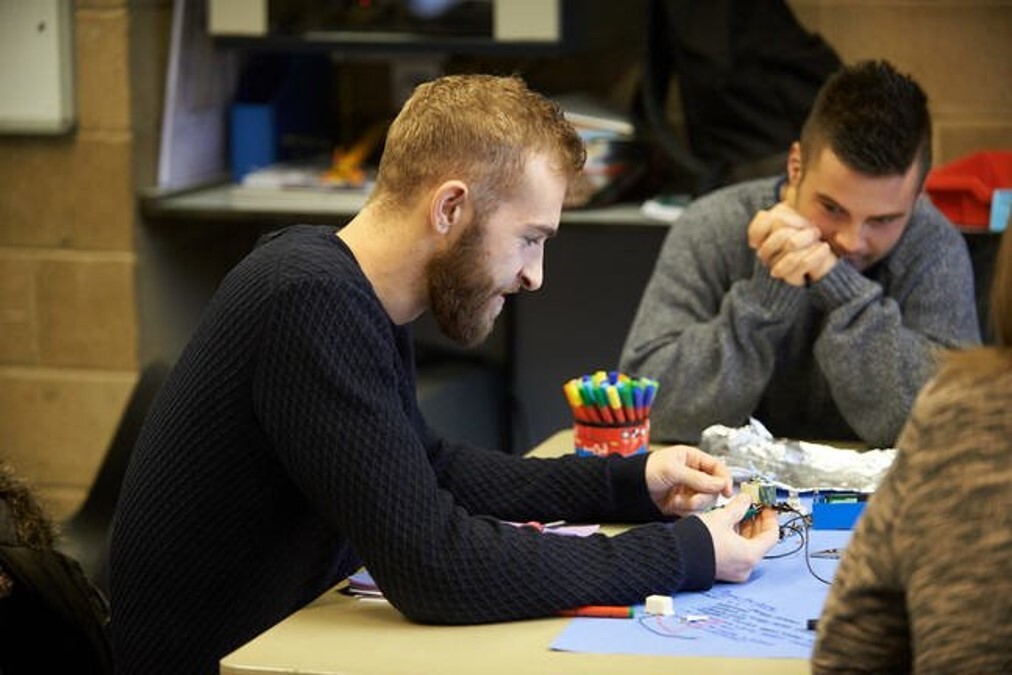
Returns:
(815,302)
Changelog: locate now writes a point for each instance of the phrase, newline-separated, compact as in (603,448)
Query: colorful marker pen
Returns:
(603,407)
(600,611)
(590,405)
(639,392)
(615,402)
(572,392)
(625,393)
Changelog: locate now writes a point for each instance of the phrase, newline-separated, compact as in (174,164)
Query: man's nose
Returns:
(532,274)
(850,238)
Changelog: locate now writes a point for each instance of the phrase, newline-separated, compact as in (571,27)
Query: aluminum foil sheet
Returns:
(752,452)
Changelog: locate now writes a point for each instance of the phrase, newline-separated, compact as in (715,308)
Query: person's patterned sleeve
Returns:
(924,584)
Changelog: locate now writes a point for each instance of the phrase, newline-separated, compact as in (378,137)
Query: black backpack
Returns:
(53,620)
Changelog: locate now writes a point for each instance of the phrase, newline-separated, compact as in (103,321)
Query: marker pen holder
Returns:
(592,439)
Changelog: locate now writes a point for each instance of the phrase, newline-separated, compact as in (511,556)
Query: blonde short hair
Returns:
(477,128)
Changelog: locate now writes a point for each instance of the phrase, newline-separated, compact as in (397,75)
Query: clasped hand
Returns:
(790,245)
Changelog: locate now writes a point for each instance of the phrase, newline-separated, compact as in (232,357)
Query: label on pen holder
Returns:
(613,439)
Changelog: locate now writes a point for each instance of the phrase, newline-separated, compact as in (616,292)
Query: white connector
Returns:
(663,605)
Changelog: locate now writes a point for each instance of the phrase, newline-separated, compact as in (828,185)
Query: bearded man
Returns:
(287,448)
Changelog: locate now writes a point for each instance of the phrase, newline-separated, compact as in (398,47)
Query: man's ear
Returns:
(447,209)
(789,192)
(794,164)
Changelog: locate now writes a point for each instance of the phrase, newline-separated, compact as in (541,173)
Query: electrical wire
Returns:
(808,564)
(798,525)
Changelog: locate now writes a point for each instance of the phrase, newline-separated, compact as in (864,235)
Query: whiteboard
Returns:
(36,66)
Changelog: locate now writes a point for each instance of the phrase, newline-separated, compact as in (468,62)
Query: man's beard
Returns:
(460,289)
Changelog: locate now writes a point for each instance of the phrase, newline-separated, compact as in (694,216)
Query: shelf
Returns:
(233,203)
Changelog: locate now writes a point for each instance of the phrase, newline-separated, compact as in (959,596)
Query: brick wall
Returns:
(68,328)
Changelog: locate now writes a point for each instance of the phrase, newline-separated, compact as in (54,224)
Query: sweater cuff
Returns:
(698,558)
(777,297)
(842,284)
(629,489)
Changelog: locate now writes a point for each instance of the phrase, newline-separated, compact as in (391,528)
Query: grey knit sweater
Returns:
(841,359)
(287,448)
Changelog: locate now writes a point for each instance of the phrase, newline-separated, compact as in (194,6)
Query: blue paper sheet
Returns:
(767,617)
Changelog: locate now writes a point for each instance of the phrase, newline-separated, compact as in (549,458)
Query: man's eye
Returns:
(832,208)
(883,222)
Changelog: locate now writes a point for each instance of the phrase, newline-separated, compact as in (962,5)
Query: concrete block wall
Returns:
(68,316)
(70,325)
